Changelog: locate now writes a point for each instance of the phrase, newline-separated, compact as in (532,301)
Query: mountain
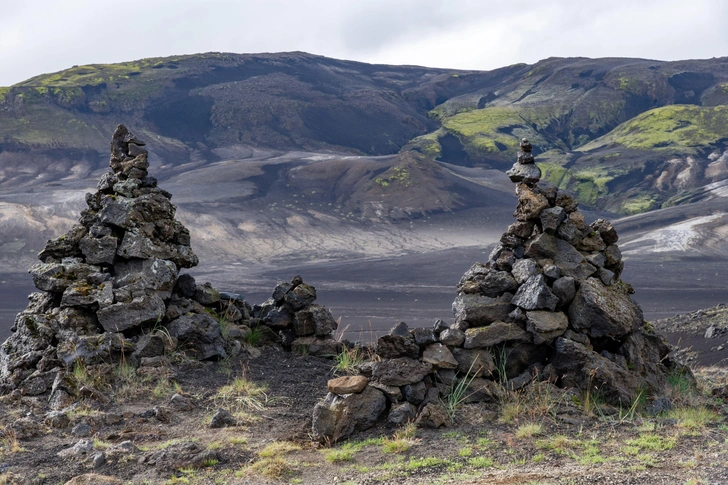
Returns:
(292,147)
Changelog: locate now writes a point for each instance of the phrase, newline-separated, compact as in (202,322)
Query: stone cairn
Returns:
(548,305)
(111,292)
(525,169)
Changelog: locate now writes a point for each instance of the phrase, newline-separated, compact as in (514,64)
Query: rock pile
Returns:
(110,289)
(547,305)
(300,324)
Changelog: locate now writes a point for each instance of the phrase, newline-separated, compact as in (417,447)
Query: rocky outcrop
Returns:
(110,289)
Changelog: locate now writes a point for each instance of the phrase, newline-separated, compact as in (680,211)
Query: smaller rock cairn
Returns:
(525,169)
(111,292)
(548,305)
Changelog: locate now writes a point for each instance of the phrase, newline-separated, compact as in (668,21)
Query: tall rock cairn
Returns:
(550,300)
(108,282)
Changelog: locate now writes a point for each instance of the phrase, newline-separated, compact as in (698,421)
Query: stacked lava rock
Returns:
(109,286)
(547,305)
(525,169)
(300,324)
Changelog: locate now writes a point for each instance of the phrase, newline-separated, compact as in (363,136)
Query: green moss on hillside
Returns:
(668,128)
(638,204)
(481,128)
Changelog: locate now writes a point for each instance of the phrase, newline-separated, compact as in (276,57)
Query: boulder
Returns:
(222,419)
(452,337)
(534,294)
(583,369)
(483,390)
(552,218)
(415,393)
(314,320)
(337,417)
(523,269)
(604,311)
(317,347)
(526,173)
(99,250)
(300,296)
(199,335)
(206,295)
(424,336)
(56,277)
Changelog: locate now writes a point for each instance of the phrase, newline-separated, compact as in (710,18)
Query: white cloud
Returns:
(44,35)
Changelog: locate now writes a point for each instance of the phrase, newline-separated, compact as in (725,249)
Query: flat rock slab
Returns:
(400,372)
(546,326)
(347,384)
(478,310)
(122,316)
(494,334)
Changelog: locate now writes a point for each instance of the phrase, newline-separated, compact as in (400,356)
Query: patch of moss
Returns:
(673,127)
(428,144)
(399,175)
(480,128)
(638,204)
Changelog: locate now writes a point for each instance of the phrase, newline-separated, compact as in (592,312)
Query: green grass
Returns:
(649,442)
(344,452)
(242,395)
(529,430)
(481,462)
(479,128)
(693,418)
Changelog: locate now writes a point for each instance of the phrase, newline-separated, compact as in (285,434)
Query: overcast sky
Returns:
(42,36)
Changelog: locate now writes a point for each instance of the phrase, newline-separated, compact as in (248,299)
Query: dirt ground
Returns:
(536,436)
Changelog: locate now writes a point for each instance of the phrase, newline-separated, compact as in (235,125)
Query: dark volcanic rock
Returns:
(479,310)
(400,371)
(604,311)
(534,294)
(338,416)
